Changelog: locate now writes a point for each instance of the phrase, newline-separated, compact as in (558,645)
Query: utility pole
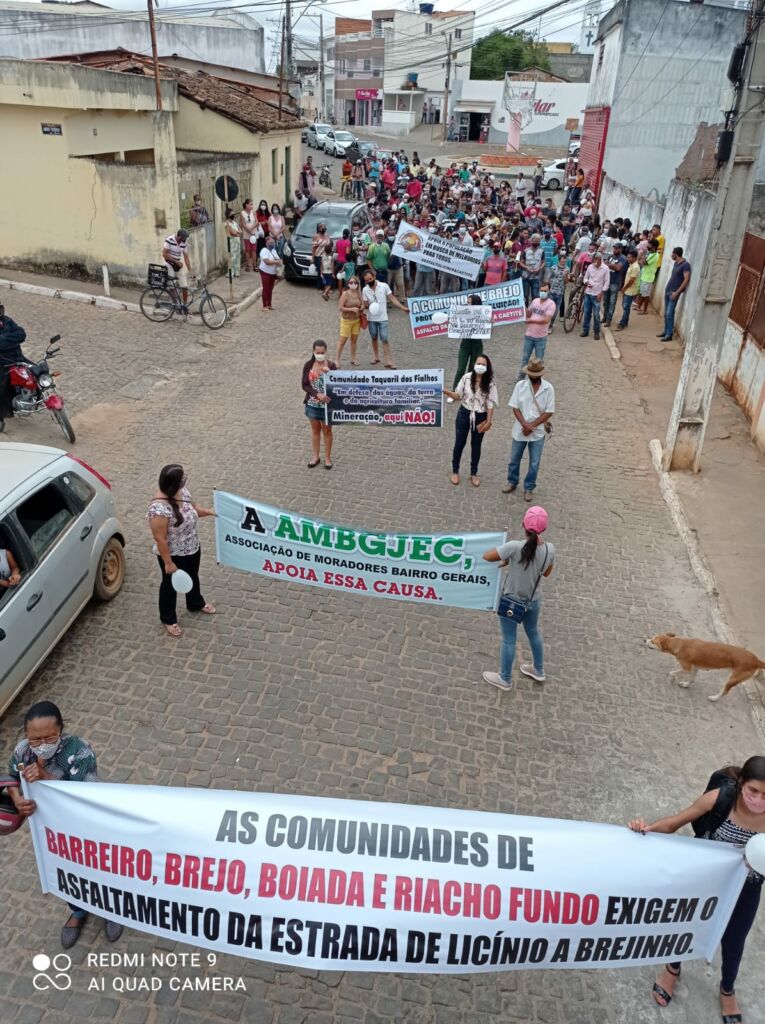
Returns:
(288,38)
(281,71)
(698,374)
(321,68)
(153,32)
(445,114)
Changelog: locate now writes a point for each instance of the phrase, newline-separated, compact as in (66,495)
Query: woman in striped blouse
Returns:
(744,818)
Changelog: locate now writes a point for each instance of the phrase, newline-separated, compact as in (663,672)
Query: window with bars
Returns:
(428,29)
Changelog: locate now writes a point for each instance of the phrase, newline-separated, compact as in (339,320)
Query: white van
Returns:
(58,520)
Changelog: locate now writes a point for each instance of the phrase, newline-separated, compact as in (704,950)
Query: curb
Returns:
(611,345)
(61,293)
(103,302)
(705,577)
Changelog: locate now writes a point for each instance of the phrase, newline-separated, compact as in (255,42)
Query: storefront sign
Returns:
(405,398)
(367,94)
(420,567)
(439,253)
(353,885)
(429,314)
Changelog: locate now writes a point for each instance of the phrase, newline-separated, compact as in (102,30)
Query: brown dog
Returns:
(695,654)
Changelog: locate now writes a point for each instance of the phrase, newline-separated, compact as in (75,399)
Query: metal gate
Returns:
(593,145)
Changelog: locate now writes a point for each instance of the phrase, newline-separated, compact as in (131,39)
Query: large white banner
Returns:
(343,884)
(439,253)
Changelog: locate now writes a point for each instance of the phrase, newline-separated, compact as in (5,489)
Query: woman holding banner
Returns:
(314,402)
(470,350)
(527,562)
(49,753)
(732,810)
(478,395)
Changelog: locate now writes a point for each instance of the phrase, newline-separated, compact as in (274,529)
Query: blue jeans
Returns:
(609,305)
(530,289)
(591,309)
(378,330)
(358,189)
(508,629)
(670,305)
(514,465)
(317,264)
(535,345)
(627,301)
(557,298)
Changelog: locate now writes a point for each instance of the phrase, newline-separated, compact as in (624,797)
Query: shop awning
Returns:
(474,106)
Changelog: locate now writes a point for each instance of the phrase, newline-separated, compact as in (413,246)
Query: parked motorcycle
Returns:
(33,389)
(324,178)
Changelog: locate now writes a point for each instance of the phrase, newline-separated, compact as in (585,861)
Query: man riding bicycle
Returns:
(176,257)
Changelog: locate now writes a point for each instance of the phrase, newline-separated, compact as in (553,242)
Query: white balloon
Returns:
(440,318)
(374,308)
(755,852)
(182,582)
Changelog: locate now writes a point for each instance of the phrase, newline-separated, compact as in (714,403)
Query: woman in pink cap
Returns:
(527,562)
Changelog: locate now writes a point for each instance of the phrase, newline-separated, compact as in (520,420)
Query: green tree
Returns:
(506,51)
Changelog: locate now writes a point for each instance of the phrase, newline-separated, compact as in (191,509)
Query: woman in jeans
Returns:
(478,394)
(527,562)
(745,818)
(173,519)
(314,401)
(47,752)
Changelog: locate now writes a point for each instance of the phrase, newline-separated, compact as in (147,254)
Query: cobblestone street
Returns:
(291,689)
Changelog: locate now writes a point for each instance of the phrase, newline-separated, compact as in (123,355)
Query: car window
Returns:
(44,516)
(83,493)
(335,222)
(322,128)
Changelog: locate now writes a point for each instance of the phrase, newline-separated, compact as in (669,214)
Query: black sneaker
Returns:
(596,337)
(584,334)
(71,933)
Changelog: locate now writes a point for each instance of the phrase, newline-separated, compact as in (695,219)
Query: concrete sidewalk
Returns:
(245,290)
(723,503)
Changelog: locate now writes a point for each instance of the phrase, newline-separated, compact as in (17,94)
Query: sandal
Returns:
(391,366)
(475,481)
(730,1018)
(662,992)
(354,364)
(455,478)
(314,463)
(174,630)
(375,362)
(328,465)
(209,609)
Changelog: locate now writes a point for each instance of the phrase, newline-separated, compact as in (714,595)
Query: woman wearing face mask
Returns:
(173,517)
(350,318)
(731,813)
(249,225)
(478,394)
(47,752)
(269,266)
(276,228)
(262,214)
(321,245)
(314,401)
(495,266)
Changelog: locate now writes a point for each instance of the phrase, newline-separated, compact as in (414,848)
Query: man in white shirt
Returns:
(176,258)
(378,294)
(533,403)
(597,278)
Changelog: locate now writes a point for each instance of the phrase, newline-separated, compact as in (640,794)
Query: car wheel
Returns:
(553,184)
(111,571)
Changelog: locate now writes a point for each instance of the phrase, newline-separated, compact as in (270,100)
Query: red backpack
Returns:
(10,819)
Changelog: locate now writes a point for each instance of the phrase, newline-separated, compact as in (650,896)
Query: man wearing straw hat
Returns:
(533,403)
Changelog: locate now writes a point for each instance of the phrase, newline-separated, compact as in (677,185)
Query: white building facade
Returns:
(479,113)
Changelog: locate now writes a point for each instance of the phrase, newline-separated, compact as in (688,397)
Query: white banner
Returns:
(349,885)
(470,322)
(439,253)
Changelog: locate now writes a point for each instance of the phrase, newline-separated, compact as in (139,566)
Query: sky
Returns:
(561,24)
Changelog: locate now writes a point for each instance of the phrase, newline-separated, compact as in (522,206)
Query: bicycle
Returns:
(574,308)
(162,299)
(324,177)
(346,188)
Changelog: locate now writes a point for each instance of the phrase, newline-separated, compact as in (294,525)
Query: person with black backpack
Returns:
(731,810)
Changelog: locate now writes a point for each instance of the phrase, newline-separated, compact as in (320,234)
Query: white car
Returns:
(316,133)
(337,141)
(57,518)
(555,175)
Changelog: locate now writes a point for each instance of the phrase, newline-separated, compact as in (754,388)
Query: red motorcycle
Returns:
(34,389)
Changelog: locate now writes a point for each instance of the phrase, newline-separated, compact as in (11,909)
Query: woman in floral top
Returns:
(48,753)
(314,401)
(173,519)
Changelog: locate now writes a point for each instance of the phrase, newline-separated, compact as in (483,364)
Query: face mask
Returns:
(353,287)
(754,802)
(320,356)
(543,295)
(45,750)
(480,368)
(431,231)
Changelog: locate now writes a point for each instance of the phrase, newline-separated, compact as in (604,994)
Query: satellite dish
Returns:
(225,183)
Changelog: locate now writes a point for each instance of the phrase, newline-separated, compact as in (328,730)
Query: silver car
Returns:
(57,518)
(316,134)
